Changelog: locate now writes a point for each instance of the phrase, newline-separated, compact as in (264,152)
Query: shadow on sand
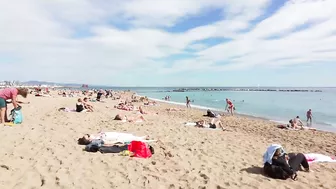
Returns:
(254,170)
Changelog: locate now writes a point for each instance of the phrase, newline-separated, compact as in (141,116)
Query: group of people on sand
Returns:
(10,95)
(297,123)
(83,105)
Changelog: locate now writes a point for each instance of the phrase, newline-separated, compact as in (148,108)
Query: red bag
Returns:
(139,149)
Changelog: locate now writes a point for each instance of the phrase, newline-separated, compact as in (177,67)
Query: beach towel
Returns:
(190,124)
(66,110)
(268,155)
(314,158)
(140,149)
(115,137)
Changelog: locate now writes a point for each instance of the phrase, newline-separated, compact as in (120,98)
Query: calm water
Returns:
(276,106)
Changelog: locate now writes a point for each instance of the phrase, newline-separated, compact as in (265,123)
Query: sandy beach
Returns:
(43,151)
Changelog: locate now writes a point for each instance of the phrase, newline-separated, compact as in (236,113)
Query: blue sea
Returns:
(276,106)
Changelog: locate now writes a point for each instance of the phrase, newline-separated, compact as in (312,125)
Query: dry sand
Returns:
(43,153)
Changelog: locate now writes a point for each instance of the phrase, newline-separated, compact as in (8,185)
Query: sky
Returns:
(169,42)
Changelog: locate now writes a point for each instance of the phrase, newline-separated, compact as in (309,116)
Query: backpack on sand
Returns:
(16,115)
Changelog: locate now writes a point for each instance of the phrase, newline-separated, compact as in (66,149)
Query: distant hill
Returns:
(51,83)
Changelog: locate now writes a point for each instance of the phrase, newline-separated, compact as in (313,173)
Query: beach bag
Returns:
(140,149)
(16,115)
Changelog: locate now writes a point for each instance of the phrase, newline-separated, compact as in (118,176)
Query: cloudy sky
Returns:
(170,42)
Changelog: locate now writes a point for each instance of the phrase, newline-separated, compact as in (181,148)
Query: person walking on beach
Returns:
(309,116)
(10,94)
(229,106)
(188,102)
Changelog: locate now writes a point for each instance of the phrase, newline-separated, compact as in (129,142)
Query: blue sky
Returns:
(170,42)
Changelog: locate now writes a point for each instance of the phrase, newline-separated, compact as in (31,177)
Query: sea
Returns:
(271,105)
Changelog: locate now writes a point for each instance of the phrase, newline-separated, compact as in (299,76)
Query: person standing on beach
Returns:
(188,102)
(229,106)
(10,94)
(309,116)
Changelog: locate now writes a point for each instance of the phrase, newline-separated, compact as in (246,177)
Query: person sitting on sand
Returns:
(296,122)
(10,94)
(213,114)
(87,105)
(80,106)
(129,119)
(213,124)
(279,165)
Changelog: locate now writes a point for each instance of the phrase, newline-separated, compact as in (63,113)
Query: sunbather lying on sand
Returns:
(142,111)
(213,124)
(150,103)
(174,109)
(107,138)
(122,106)
(125,118)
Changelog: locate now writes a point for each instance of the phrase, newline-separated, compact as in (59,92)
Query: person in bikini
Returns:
(229,106)
(142,111)
(110,137)
(129,119)
(213,124)
(87,105)
(80,106)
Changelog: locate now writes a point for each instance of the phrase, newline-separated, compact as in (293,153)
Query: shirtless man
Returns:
(297,122)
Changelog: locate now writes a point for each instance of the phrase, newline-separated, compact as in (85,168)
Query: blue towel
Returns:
(270,152)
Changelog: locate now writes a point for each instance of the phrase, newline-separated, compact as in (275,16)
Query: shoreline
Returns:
(319,127)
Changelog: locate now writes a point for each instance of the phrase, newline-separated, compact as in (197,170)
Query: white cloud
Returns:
(40,34)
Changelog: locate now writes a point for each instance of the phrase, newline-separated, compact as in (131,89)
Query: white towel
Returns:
(313,158)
